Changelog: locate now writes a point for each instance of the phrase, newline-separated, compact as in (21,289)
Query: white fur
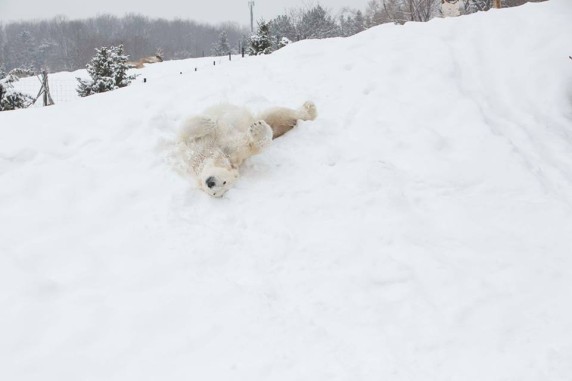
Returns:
(282,119)
(212,146)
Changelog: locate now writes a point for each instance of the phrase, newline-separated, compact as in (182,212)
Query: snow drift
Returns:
(419,229)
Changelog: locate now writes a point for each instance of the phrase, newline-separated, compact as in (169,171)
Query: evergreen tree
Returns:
(261,42)
(283,42)
(21,72)
(108,71)
(11,99)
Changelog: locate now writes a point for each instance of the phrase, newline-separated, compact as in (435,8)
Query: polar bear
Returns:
(214,144)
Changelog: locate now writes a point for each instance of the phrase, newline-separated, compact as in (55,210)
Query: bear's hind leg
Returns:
(308,111)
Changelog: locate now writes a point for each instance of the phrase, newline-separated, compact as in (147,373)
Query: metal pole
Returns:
(1,93)
(47,98)
(251,6)
(45,85)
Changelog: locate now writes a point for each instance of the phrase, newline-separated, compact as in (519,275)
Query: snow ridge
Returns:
(418,229)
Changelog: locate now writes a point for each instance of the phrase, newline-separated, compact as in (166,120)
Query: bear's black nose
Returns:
(210,182)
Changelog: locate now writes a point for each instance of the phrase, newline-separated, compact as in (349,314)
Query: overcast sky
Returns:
(209,11)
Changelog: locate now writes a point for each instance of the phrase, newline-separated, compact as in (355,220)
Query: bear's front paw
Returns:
(260,133)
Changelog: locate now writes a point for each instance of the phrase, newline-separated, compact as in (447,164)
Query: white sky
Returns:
(209,11)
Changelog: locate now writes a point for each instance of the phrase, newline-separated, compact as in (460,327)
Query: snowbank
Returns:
(419,229)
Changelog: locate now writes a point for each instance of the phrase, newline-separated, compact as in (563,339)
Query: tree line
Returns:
(402,11)
(317,22)
(61,44)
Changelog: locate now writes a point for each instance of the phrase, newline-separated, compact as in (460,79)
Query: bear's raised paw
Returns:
(260,134)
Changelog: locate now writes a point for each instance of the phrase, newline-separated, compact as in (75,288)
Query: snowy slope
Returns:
(63,85)
(419,229)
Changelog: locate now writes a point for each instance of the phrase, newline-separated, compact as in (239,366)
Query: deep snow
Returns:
(419,229)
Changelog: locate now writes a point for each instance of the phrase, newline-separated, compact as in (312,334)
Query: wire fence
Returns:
(63,90)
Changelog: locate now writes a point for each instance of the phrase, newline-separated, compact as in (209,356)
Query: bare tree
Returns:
(317,22)
(351,22)
(2,42)
(472,6)
(401,11)
(384,11)
(421,10)
(283,26)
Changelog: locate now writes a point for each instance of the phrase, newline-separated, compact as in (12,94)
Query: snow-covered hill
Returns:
(419,229)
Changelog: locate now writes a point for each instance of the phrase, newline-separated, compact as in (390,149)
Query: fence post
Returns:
(47,98)
(229,56)
(1,93)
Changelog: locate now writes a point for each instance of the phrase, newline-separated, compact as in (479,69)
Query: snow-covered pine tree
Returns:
(222,47)
(283,42)
(108,71)
(11,99)
(22,72)
(262,41)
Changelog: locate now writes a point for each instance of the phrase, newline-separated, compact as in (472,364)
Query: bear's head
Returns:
(217,180)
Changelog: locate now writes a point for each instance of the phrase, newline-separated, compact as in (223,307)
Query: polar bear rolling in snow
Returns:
(213,145)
